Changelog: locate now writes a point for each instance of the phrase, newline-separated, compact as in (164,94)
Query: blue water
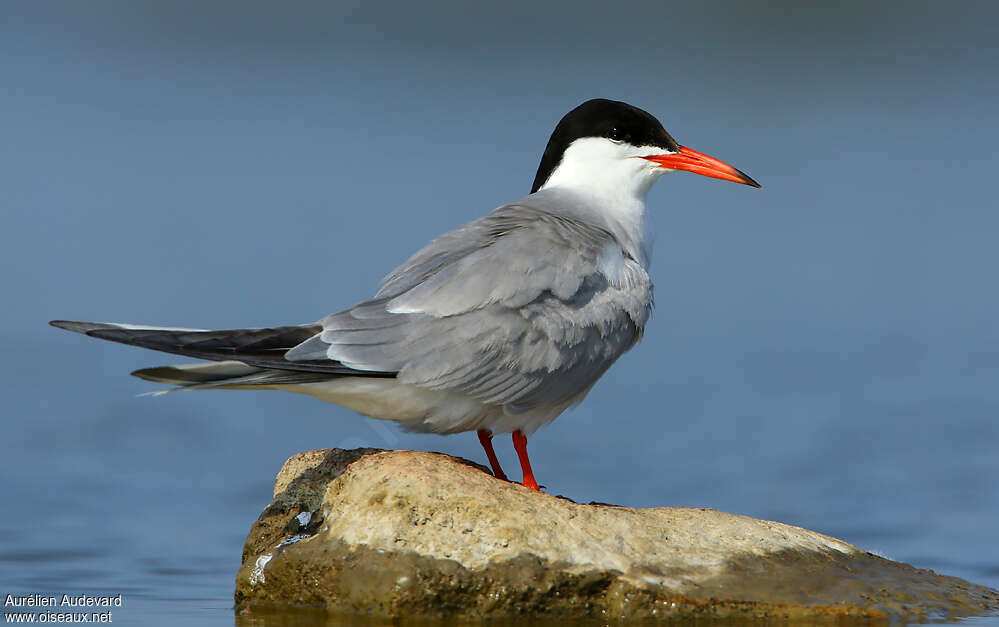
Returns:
(824,352)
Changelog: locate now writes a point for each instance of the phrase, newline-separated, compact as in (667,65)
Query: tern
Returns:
(497,326)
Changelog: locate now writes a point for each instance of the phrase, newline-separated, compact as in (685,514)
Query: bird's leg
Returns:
(520,443)
(486,440)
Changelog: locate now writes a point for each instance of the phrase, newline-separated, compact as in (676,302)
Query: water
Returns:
(825,351)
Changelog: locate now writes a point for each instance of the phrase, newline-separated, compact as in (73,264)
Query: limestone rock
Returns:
(403,533)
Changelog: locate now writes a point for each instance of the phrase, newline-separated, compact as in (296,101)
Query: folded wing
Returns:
(521,308)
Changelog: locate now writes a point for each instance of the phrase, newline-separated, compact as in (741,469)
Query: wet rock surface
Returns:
(404,533)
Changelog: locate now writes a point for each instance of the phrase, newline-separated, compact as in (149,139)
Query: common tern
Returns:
(497,326)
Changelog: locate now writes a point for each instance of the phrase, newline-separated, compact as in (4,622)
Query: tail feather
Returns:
(225,375)
(261,348)
(193,374)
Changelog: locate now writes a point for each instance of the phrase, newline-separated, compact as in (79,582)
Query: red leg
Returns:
(520,443)
(486,440)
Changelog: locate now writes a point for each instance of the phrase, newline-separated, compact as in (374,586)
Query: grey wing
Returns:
(521,308)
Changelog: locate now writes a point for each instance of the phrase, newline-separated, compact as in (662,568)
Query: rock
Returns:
(403,533)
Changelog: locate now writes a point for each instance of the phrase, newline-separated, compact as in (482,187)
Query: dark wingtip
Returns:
(144,374)
(86,328)
(71,325)
(157,374)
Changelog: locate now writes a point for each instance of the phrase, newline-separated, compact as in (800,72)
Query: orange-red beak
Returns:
(699,163)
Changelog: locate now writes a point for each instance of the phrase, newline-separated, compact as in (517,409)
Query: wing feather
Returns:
(519,309)
(264,348)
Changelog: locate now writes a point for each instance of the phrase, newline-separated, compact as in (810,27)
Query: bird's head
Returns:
(615,147)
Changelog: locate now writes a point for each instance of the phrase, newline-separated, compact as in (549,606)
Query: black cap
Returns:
(602,118)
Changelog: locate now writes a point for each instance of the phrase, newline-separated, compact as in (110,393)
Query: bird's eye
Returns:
(617,135)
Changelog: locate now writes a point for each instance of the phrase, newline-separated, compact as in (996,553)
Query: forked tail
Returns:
(246,357)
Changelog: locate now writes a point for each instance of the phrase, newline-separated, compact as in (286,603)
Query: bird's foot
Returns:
(520,444)
(529,482)
(486,440)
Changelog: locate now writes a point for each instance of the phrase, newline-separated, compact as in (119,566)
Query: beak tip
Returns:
(748,180)
(700,163)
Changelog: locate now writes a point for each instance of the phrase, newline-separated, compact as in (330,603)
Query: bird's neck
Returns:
(620,213)
(625,215)
(612,185)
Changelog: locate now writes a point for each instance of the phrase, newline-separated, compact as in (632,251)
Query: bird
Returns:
(497,326)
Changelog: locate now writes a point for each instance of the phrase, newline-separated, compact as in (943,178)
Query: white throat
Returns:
(614,178)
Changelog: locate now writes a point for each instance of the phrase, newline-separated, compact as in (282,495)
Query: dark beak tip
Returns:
(748,180)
